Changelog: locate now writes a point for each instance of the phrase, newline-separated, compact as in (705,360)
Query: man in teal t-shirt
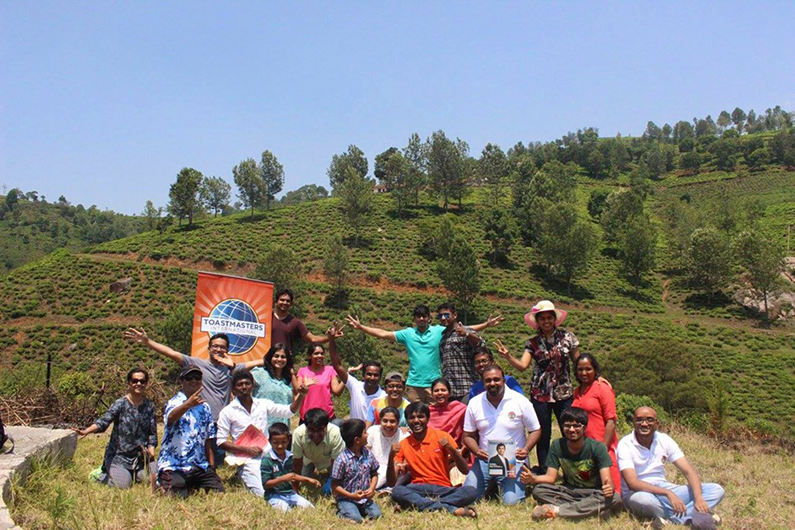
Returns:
(422,345)
(587,488)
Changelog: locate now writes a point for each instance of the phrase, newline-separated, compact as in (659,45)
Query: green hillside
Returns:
(652,342)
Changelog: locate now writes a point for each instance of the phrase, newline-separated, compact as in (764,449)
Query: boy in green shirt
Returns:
(277,478)
(587,488)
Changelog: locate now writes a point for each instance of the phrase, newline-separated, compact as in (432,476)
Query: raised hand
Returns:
(459,328)
(493,321)
(355,368)
(303,387)
(443,442)
(335,331)
(222,359)
(195,399)
(354,322)
(501,349)
(135,335)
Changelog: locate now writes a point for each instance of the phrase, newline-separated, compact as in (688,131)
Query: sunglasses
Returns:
(192,377)
(138,382)
(441,316)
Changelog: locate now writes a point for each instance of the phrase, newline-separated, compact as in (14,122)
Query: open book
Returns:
(252,436)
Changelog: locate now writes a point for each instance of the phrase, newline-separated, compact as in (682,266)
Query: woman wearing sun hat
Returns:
(553,349)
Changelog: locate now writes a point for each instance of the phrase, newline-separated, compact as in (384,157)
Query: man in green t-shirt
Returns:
(587,488)
(422,345)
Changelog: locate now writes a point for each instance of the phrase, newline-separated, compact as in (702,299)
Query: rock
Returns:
(121,286)
(780,304)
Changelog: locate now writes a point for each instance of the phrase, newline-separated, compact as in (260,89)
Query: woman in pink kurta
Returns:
(446,415)
(597,398)
(322,381)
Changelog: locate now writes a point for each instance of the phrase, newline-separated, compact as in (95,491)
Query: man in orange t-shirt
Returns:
(426,453)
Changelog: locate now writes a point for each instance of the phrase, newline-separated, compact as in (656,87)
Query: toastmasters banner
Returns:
(239,307)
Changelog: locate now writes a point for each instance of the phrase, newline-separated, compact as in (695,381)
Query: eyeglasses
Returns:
(648,421)
(138,381)
(192,377)
(219,347)
(441,316)
(572,425)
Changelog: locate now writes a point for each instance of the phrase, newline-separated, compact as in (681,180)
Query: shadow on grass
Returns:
(503,262)
(338,300)
(409,213)
(364,242)
(702,301)
(638,296)
(557,286)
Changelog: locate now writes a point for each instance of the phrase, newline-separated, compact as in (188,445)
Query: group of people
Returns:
(456,430)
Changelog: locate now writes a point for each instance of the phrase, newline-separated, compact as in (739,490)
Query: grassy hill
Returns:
(62,304)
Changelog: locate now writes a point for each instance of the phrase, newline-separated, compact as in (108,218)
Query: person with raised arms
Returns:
(422,345)
(362,393)
(457,348)
(246,410)
(426,454)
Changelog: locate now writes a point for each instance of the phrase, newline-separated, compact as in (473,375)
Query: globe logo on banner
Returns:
(238,320)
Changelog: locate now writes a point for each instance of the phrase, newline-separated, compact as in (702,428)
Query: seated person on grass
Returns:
(382,438)
(130,453)
(426,453)
(587,489)
(278,481)
(316,444)
(244,411)
(186,461)
(395,385)
(646,492)
(355,475)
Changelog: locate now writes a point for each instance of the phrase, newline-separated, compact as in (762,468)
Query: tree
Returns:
(535,191)
(782,148)
(251,187)
(279,265)
(757,159)
(459,271)
(690,161)
(335,264)
(216,193)
(724,119)
(307,193)
(708,258)
(272,173)
(415,154)
(597,202)
(638,248)
(356,200)
(494,170)
(620,206)
(379,167)
(151,215)
(566,243)
(185,194)
(177,327)
(762,257)
(12,198)
(738,117)
(499,233)
(725,153)
(655,161)
(446,167)
(353,159)
(396,174)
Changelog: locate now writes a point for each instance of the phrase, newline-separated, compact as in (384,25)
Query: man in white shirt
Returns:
(646,493)
(362,393)
(503,415)
(246,410)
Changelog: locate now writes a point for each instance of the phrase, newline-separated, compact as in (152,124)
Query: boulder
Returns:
(121,286)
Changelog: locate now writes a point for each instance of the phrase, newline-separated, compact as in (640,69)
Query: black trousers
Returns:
(181,483)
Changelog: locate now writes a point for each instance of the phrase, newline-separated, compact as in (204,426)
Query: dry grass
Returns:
(759,483)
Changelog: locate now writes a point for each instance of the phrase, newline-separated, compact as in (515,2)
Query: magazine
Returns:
(250,436)
(502,458)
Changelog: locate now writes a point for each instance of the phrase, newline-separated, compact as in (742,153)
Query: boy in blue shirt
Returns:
(355,475)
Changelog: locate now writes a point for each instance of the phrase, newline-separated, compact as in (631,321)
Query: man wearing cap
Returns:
(646,492)
(244,411)
(458,347)
(395,384)
(554,350)
(186,460)
(503,416)
(422,345)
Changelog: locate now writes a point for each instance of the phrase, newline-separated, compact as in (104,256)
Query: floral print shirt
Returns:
(551,379)
(183,440)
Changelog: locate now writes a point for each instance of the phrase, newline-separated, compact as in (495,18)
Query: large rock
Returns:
(780,304)
(30,443)
(121,286)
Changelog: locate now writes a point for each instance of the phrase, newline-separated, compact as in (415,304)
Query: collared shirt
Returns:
(234,418)
(360,399)
(508,421)
(510,382)
(134,426)
(423,352)
(277,390)
(649,463)
(215,382)
(426,459)
(377,405)
(183,440)
(355,472)
(551,380)
(321,455)
(274,467)
(458,358)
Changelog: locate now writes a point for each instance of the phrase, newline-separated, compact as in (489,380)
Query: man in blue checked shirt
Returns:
(186,460)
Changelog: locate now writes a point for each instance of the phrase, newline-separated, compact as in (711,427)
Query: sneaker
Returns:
(545,511)
(704,521)
(717,519)
(659,522)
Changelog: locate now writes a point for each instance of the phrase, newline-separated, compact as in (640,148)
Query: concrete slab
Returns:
(30,443)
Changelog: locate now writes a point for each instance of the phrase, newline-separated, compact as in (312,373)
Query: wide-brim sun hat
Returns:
(542,307)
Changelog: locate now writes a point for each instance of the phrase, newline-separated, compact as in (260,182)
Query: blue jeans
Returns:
(430,497)
(348,509)
(286,501)
(544,414)
(648,505)
(478,477)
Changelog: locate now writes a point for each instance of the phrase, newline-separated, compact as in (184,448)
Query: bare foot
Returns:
(465,512)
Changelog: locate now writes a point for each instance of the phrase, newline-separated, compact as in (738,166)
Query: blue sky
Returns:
(104,102)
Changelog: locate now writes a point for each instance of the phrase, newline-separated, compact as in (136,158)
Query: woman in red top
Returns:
(596,397)
(446,415)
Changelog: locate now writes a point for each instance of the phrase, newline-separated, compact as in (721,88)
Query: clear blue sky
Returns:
(104,102)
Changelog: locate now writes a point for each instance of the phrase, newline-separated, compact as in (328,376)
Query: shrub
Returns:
(627,403)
